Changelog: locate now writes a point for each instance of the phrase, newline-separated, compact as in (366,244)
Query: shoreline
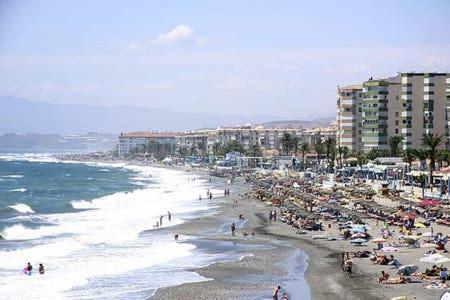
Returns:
(285,244)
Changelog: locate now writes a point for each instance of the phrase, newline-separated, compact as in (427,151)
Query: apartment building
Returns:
(381,107)
(138,140)
(349,117)
(425,107)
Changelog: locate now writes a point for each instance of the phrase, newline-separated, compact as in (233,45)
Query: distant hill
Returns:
(320,122)
(23,116)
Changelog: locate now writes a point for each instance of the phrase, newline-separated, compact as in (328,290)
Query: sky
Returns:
(278,58)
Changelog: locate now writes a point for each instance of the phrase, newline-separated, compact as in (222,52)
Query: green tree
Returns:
(431,143)
(345,153)
(409,155)
(295,144)
(304,148)
(216,148)
(231,146)
(286,142)
(254,151)
(330,151)
(319,149)
(340,151)
(394,143)
(361,159)
(373,154)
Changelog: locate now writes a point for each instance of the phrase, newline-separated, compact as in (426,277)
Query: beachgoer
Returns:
(348,267)
(270,215)
(41,269)
(160,220)
(233,229)
(29,268)
(169,216)
(176,237)
(210,196)
(384,277)
(284,297)
(275,293)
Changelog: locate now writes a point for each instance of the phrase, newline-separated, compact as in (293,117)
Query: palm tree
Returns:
(304,148)
(295,141)
(340,151)
(345,153)
(330,151)
(361,159)
(431,143)
(409,155)
(286,142)
(394,142)
(318,148)
(216,148)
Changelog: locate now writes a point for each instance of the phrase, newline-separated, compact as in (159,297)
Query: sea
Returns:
(92,227)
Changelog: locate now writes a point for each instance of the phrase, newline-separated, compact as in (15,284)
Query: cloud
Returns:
(180,35)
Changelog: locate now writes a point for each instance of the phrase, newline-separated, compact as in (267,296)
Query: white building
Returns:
(138,140)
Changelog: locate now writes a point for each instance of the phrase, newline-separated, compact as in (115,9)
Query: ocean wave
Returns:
(21,190)
(22,208)
(82,204)
(104,170)
(12,176)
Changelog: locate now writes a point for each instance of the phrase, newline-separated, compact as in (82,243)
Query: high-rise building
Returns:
(349,117)
(381,107)
(426,107)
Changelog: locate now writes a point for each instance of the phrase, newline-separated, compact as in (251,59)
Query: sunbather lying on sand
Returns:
(399,280)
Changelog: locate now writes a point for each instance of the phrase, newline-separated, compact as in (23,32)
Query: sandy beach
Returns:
(280,260)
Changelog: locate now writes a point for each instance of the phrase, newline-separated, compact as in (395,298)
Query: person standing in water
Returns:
(29,268)
(275,293)
(169,216)
(41,269)
(233,229)
(160,220)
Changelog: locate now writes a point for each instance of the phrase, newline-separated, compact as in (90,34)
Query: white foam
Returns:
(12,176)
(82,204)
(21,190)
(22,208)
(103,170)
(103,240)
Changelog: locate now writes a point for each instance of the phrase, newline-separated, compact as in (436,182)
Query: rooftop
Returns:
(148,134)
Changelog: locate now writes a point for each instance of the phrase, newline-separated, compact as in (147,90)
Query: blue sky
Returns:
(282,58)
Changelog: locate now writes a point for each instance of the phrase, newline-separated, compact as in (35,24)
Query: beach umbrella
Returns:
(389,249)
(407,270)
(358,241)
(435,259)
(358,235)
(378,240)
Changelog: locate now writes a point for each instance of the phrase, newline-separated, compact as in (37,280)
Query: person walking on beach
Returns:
(270,215)
(169,216)
(41,269)
(275,293)
(233,229)
(160,220)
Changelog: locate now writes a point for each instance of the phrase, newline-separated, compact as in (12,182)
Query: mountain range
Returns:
(21,116)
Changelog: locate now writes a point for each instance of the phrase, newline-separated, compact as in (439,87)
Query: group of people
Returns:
(169,217)
(29,268)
